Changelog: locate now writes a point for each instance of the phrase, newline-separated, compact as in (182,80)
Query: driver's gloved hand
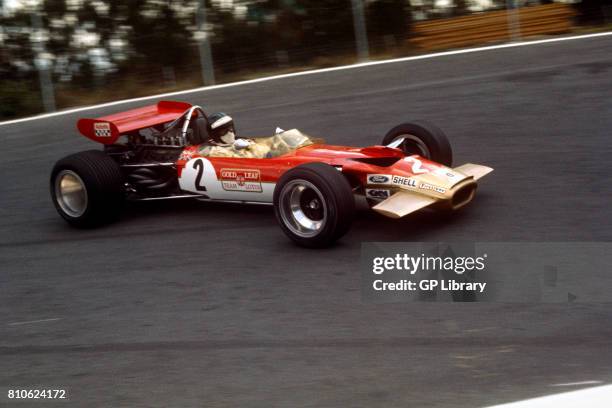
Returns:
(241,144)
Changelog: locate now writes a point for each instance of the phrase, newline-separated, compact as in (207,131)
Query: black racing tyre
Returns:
(314,204)
(424,139)
(87,188)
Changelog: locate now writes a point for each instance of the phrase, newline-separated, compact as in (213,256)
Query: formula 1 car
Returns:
(164,151)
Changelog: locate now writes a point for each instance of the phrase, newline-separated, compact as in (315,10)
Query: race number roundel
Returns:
(228,183)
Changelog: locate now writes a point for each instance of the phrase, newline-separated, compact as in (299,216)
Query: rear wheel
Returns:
(422,138)
(314,204)
(87,188)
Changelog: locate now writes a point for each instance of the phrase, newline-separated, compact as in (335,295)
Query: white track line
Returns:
(596,397)
(34,321)
(571,384)
(312,72)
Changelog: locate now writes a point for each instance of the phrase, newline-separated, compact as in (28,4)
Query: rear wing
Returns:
(107,129)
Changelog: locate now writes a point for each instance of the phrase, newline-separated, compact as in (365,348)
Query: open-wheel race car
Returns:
(176,150)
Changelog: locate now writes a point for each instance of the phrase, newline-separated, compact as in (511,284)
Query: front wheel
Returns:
(422,138)
(87,188)
(314,204)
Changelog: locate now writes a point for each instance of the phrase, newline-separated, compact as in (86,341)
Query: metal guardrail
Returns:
(492,26)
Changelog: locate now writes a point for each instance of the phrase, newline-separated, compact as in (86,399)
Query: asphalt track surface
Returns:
(199,304)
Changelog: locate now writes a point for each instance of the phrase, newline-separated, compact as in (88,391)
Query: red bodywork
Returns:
(339,156)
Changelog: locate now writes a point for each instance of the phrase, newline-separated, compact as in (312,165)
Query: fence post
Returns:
(206,61)
(361,34)
(514,21)
(42,63)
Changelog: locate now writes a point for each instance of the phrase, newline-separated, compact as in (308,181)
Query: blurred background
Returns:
(56,54)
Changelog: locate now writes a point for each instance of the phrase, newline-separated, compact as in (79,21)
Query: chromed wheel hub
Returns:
(302,209)
(314,205)
(70,193)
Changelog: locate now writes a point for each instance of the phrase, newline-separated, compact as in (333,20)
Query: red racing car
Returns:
(176,150)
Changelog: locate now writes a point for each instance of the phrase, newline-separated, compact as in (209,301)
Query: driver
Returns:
(223,141)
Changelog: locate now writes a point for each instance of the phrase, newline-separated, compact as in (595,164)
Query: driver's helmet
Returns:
(222,128)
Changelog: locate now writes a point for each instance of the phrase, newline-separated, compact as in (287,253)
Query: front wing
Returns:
(405,202)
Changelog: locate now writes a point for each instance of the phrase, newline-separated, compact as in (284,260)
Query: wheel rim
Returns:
(413,144)
(70,193)
(302,208)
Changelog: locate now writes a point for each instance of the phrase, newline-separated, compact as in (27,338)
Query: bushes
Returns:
(18,98)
